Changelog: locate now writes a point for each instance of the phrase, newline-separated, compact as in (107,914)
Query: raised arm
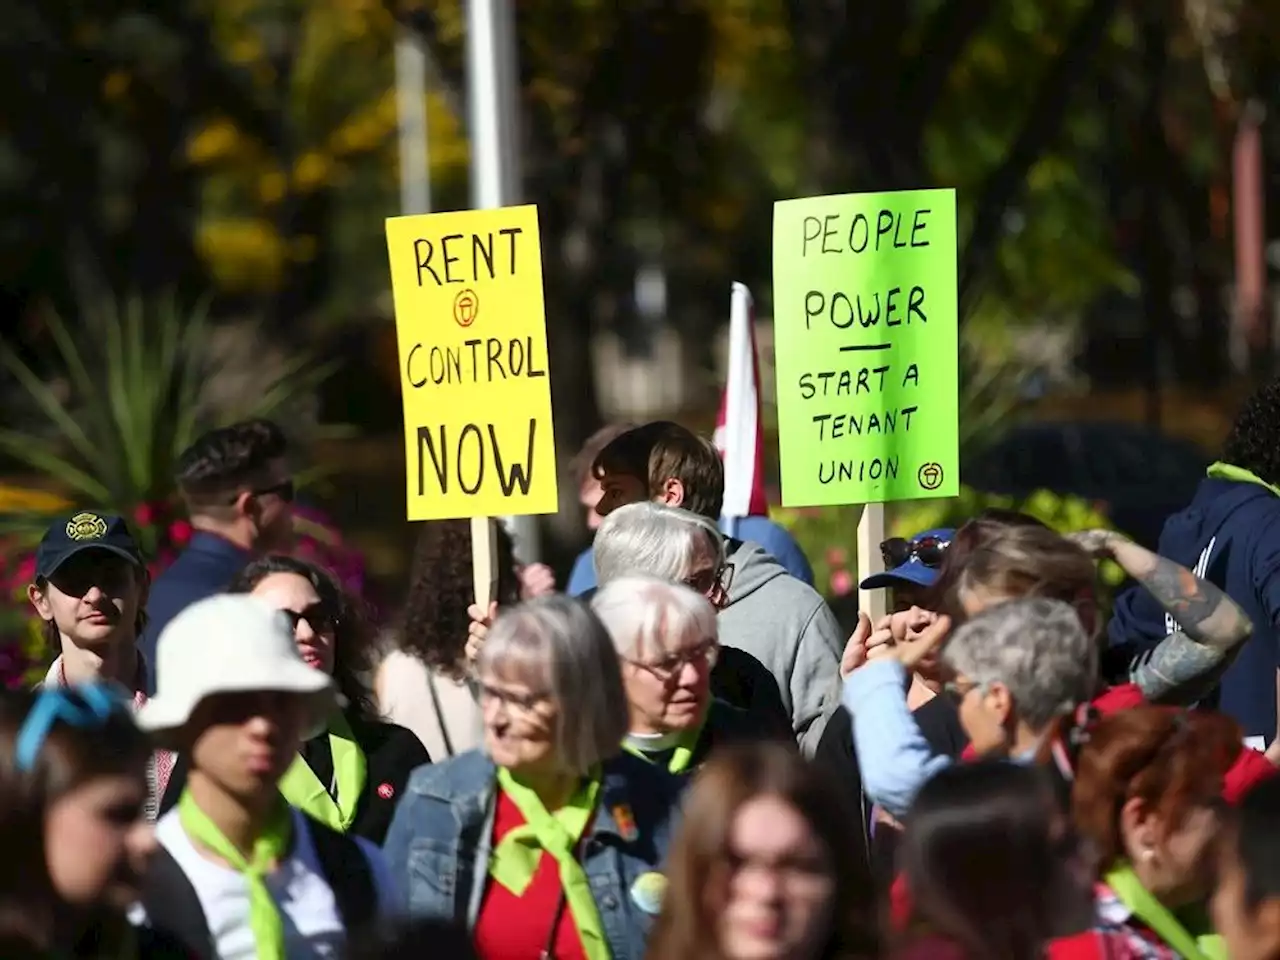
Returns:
(1188,662)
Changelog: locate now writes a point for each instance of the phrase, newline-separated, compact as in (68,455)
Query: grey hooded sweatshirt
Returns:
(787,626)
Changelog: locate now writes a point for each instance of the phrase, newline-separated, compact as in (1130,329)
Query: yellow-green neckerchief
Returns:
(1125,884)
(1228,471)
(303,789)
(515,858)
(271,847)
(686,744)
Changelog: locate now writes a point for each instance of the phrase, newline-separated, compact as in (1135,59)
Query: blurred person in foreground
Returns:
(90,589)
(76,843)
(1014,682)
(665,635)
(666,543)
(995,866)
(1147,798)
(239,873)
(351,775)
(761,868)
(238,488)
(549,842)
(1246,904)
(1230,536)
(768,613)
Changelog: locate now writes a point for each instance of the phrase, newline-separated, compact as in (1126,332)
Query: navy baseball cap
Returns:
(85,531)
(914,561)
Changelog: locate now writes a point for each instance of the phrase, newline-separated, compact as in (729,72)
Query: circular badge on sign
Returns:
(930,476)
(466,307)
(86,526)
(648,891)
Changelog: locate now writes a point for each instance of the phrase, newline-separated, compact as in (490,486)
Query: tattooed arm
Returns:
(1189,662)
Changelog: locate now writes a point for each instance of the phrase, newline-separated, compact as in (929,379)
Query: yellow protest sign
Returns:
(473,363)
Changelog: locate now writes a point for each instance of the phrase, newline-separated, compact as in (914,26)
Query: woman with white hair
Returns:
(650,539)
(546,842)
(666,639)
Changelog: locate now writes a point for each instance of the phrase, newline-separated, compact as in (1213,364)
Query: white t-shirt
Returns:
(313,927)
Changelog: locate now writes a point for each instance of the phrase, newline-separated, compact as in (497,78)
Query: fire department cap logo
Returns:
(86,526)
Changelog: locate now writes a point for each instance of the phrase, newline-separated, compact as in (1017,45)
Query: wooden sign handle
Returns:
(484,560)
(874,603)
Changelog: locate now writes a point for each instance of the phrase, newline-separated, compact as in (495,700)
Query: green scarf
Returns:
(1227,471)
(303,789)
(271,847)
(1203,945)
(515,858)
(686,744)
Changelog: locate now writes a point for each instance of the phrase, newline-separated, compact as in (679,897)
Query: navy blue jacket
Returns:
(202,570)
(1230,536)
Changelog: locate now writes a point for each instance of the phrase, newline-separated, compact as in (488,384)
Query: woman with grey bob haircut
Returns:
(665,634)
(1019,666)
(667,543)
(664,542)
(551,780)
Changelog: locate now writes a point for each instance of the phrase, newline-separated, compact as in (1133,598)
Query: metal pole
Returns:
(411,109)
(494,126)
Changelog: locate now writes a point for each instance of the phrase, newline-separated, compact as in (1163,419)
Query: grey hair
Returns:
(561,639)
(1037,648)
(644,614)
(653,539)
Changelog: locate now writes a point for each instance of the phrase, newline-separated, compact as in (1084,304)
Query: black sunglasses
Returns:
(284,490)
(927,550)
(317,617)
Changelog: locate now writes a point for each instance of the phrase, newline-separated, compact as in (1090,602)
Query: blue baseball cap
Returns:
(917,559)
(85,531)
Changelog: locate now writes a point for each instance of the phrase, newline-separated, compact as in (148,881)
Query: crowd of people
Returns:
(680,756)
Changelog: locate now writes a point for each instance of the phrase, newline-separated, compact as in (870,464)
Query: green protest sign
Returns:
(864,314)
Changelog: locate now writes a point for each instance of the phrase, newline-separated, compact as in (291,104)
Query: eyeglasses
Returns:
(710,580)
(928,550)
(87,706)
(670,666)
(525,702)
(284,490)
(318,618)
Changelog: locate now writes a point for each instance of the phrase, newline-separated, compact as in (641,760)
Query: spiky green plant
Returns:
(136,375)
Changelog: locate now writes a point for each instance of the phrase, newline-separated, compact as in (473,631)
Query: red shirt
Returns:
(517,928)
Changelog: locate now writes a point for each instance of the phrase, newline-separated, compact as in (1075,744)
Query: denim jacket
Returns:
(441,836)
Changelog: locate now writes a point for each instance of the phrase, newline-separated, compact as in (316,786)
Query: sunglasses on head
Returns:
(927,550)
(88,706)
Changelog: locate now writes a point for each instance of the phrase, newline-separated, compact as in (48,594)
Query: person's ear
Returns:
(38,600)
(245,504)
(1138,830)
(999,701)
(671,492)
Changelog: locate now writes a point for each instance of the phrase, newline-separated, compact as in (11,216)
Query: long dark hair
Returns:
(685,930)
(982,861)
(69,757)
(353,635)
(434,622)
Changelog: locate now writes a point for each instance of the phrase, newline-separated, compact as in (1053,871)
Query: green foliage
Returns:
(135,384)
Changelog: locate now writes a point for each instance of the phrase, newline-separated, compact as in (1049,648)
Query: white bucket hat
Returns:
(228,644)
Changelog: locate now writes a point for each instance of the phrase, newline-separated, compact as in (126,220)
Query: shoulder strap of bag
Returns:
(349,875)
(439,710)
(174,908)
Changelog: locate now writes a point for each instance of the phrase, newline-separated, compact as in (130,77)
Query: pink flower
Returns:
(841,583)
(144,514)
(179,532)
(836,556)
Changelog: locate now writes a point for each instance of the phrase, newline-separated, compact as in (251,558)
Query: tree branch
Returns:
(1044,121)
(944,39)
